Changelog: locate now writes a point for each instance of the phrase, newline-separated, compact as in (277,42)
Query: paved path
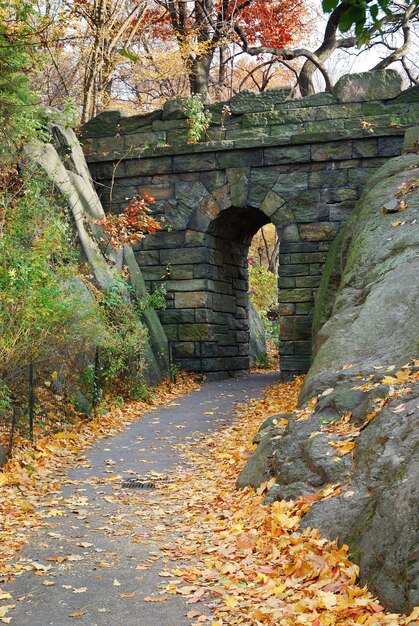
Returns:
(84,548)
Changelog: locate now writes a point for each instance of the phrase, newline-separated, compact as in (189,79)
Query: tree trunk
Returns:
(199,69)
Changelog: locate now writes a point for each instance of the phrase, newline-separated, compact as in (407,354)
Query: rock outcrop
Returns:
(64,163)
(362,382)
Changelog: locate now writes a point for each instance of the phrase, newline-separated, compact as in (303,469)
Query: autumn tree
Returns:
(204,27)
(351,24)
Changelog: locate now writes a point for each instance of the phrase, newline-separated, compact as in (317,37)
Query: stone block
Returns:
(144,140)
(242,336)
(286,308)
(280,116)
(261,182)
(153,272)
(304,308)
(373,85)
(148,166)
(158,192)
(169,124)
(340,212)
(331,151)
(302,348)
(290,233)
(213,180)
(184,349)
(316,269)
(271,203)
(205,270)
(208,316)
(177,316)
(187,300)
(240,158)
(327,178)
(149,257)
(238,363)
(338,111)
(332,196)
(213,365)
(307,257)
(194,284)
(224,303)
(360,176)
(286,154)
(325,130)
(390,146)
(256,134)
(195,238)
(194,332)
(238,179)
(296,328)
(171,331)
(295,295)
(284,130)
(319,231)
(103,125)
(298,246)
(316,100)
(295,364)
(174,109)
(177,136)
(286,348)
(307,207)
(293,270)
(163,239)
(229,351)
(286,282)
(194,163)
(183,256)
(133,123)
(307,281)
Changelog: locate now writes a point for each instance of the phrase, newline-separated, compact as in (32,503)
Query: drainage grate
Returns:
(138,483)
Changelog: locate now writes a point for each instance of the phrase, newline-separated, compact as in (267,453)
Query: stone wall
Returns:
(300,164)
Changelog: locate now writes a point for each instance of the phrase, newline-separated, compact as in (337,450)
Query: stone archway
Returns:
(301,164)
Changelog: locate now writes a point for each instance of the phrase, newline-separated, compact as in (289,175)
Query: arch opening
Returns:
(228,240)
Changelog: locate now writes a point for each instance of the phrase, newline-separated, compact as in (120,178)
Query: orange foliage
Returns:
(131,225)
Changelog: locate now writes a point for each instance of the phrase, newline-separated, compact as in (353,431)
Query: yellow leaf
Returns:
(327,599)
(80,590)
(77,613)
(5,595)
(413,616)
(231,602)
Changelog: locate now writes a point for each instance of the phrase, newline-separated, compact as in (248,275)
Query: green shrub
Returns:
(198,119)
(262,289)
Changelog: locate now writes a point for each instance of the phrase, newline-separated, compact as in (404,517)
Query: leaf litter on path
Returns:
(234,560)
(249,564)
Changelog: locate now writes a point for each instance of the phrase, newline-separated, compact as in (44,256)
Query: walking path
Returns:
(97,560)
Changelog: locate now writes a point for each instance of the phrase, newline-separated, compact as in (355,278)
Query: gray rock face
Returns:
(64,163)
(366,321)
(257,342)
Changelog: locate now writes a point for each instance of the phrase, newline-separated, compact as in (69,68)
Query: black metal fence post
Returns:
(31,402)
(96,378)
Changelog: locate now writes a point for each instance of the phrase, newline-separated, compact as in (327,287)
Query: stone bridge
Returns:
(300,164)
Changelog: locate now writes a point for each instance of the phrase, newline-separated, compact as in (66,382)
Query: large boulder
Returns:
(366,332)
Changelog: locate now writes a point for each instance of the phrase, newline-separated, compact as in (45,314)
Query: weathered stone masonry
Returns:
(300,164)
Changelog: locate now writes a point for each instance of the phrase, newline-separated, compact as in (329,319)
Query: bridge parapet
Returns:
(300,164)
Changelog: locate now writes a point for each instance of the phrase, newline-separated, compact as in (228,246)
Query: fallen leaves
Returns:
(30,479)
